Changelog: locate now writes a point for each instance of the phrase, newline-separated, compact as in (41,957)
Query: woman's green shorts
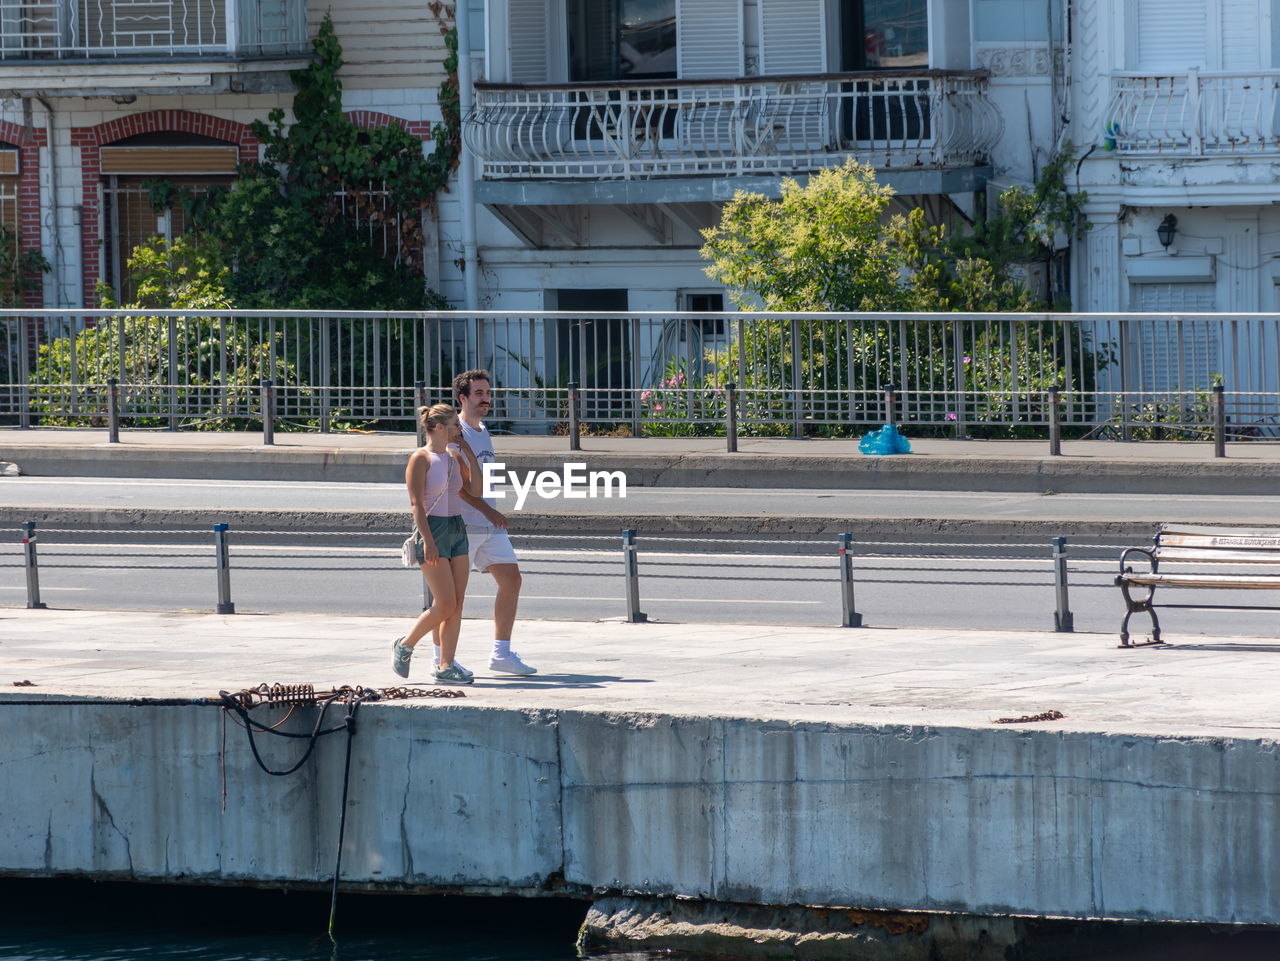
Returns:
(450,535)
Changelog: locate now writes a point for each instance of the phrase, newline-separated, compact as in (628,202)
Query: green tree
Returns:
(829,245)
(287,228)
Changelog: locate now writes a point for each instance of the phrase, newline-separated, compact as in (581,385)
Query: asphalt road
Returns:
(658,501)
(997,588)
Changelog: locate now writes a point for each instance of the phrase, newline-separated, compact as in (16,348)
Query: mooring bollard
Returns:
(268,413)
(32,565)
(1063,620)
(575,429)
(631,565)
(731,417)
(419,402)
(851,617)
(113,410)
(1219,421)
(223,562)
(1055,423)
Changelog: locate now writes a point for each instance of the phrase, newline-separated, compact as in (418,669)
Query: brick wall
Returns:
(28,143)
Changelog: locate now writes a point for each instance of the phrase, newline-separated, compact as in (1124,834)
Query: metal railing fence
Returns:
(777,124)
(150,29)
(1197,113)
(1130,376)
(836,560)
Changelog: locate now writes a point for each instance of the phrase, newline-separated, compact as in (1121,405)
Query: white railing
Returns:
(147,29)
(1194,114)
(763,125)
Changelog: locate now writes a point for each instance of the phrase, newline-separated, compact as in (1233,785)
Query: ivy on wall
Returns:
(287,227)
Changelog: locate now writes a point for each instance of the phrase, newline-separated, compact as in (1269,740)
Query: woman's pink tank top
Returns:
(443,472)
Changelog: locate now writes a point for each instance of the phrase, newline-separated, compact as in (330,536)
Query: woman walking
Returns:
(435,475)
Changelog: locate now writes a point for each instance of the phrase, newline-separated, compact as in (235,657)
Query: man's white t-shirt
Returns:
(482,446)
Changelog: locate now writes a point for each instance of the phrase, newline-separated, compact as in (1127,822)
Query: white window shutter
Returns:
(709,38)
(793,36)
(1172,355)
(1172,35)
(1242,40)
(530,45)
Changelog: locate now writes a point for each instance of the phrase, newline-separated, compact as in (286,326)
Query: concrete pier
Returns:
(737,763)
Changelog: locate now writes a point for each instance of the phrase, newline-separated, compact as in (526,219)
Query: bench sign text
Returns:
(573,482)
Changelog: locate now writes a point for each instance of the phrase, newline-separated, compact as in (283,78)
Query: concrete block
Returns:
(643,802)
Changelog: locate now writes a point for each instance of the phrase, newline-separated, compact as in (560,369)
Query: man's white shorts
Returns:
(489,545)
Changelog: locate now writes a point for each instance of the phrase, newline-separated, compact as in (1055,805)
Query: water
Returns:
(43,920)
(58,920)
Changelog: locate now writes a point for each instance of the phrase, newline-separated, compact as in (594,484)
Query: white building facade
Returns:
(101,96)
(1176,103)
(607,134)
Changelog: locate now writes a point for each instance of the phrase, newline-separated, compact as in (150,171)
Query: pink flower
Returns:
(657,407)
(967,359)
(951,416)
(646,394)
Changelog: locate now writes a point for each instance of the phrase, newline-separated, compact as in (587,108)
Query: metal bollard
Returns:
(1063,619)
(731,417)
(851,617)
(223,562)
(268,413)
(631,565)
(113,410)
(575,429)
(32,565)
(419,402)
(1055,423)
(1219,421)
(890,403)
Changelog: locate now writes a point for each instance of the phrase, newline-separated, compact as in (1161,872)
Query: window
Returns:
(1171,36)
(882,34)
(9,190)
(710,303)
(1169,354)
(622,39)
(191,164)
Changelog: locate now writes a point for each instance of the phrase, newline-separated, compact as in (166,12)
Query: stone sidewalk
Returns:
(1196,686)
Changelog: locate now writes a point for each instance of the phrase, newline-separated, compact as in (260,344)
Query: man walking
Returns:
(491,550)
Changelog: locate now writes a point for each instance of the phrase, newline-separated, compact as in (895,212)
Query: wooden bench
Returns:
(1194,552)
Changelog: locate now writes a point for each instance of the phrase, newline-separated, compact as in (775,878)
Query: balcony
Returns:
(82,46)
(1194,114)
(764,126)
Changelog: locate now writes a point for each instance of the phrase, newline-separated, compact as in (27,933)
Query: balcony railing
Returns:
(38,30)
(1194,114)
(764,125)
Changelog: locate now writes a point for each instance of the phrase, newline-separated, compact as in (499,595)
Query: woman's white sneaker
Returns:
(510,663)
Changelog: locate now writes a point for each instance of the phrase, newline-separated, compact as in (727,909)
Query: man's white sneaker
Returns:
(510,664)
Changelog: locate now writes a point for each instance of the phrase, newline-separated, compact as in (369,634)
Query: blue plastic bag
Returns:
(886,440)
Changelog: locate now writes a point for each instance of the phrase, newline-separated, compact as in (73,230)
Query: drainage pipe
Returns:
(466,169)
(55,235)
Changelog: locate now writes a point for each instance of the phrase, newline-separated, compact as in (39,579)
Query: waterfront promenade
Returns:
(738,762)
(746,763)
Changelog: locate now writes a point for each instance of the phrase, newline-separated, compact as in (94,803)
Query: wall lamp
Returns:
(1168,227)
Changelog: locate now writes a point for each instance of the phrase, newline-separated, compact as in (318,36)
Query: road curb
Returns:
(527,522)
(915,472)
